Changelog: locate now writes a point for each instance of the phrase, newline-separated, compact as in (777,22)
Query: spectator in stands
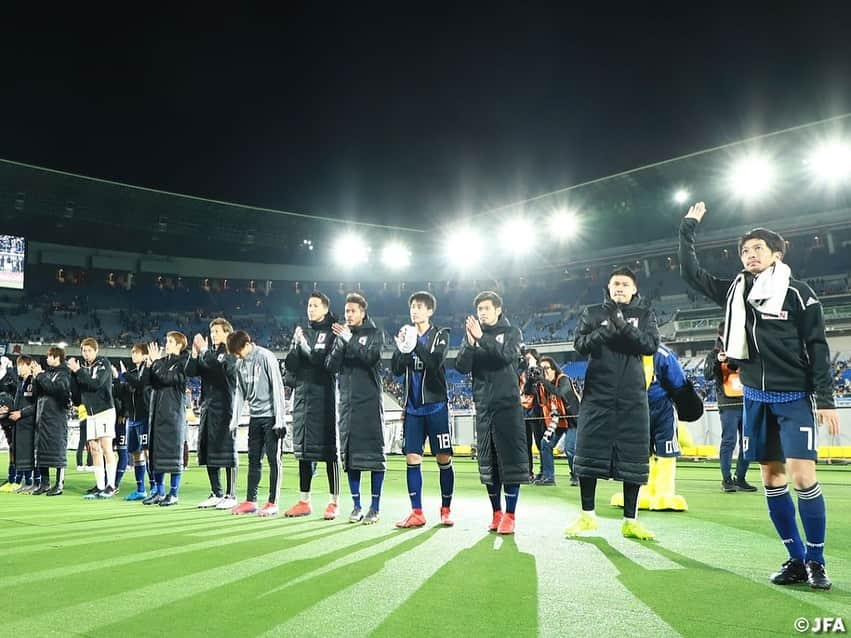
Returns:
(728,389)
(774,328)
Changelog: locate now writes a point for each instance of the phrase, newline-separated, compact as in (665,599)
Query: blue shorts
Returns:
(777,431)
(663,430)
(435,426)
(137,436)
(120,440)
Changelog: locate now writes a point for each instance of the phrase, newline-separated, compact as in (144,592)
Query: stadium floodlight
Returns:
(464,247)
(396,256)
(681,196)
(752,177)
(564,224)
(830,163)
(517,236)
(350,250)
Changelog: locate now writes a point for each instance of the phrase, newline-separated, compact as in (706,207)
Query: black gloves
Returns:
(618,319)
(280,432)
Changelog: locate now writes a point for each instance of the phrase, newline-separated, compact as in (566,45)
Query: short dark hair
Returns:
(774,241)
(488,295)
(532,351)
(223,323)
(237,340)
(424,296)
(26,359)
(141,348)
(354,297)
(624,271)
(322,297)
(56,351)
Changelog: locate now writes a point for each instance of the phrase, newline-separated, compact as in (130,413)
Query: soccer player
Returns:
(22,417)
(774,331)
(94,379)
(8,387)
(259,382)
(216,440)
(119,443)
(53,396)
(137,382)
(420,354)
(491,351)
(356,357)
(614,426)
(314,407)
(167,417)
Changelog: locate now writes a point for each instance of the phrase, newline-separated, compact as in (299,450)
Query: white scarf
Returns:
(767,296)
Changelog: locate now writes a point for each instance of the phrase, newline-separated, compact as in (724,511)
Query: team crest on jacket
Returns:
(320,341)
(220,358)
(362,341)
(500,338)
(633,321)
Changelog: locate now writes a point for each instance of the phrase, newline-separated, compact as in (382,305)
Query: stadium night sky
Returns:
(408,116)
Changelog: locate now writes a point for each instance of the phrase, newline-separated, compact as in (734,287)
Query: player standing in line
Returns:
(167,417)
(613,438)
(259,382)
(420,353)
(137,382)
(94,379)
(356,358)
(22,417)
(774,331)
(491,351)
(314,407)
(8,387)
(216,439)
(53,397)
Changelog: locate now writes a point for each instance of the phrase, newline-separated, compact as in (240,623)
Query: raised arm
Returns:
(690,269)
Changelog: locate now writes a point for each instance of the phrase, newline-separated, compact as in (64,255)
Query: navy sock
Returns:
(121,467)
(354,486)
(159,483)
(447,483)
(812,512)
(376,483)
(781,510)
(37,476)
(587,492)
(415,485)
(44,476)
(139,473)
(175,483)
(11,472)
(152,479)
(494,496)
(512,494)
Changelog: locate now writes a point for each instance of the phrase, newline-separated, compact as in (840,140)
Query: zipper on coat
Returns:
(756,345)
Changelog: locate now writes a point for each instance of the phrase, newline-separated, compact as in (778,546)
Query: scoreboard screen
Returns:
(13,259)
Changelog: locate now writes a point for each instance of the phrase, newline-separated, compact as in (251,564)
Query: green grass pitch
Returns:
(70,567)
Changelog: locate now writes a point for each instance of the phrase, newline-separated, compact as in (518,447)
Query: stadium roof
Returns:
(632,210)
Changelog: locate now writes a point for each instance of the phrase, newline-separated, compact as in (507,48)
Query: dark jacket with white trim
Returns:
(788,351)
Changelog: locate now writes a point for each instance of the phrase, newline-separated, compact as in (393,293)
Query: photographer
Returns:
(531,375)
(729,390)
(559,403)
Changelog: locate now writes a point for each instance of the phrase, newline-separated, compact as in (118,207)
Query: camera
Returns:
(535,373)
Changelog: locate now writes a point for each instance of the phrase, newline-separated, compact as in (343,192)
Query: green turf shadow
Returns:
(490,587)
(701,600)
